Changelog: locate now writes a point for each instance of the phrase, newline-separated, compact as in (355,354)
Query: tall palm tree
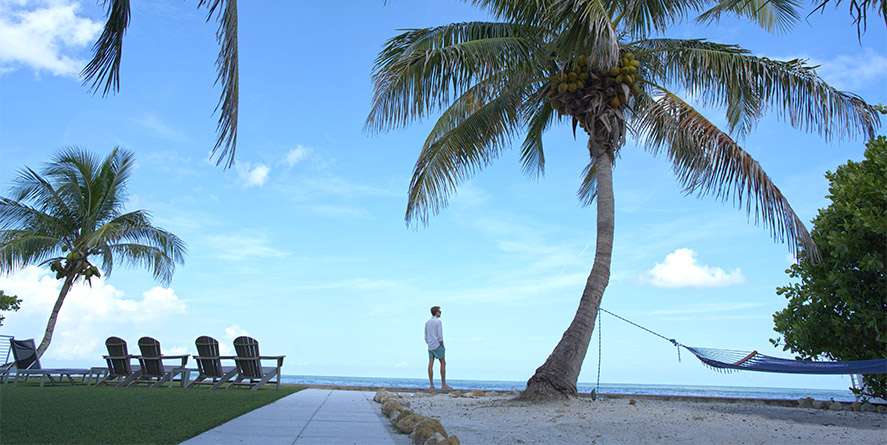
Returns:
(103,71)
(71,214)
(598,65)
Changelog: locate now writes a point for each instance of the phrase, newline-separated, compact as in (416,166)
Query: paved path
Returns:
(311,416)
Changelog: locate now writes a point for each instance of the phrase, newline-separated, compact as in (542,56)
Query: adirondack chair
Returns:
(209,364)
(249,365)
(27,364)
(153,369)
(119,360)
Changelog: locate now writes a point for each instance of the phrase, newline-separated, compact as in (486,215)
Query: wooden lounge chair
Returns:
(27,364)
(249,365)
(153,369)
(209,364)
(119,361)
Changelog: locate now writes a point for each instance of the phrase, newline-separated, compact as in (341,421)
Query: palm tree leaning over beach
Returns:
(71,214)
(599,65)
(103,71)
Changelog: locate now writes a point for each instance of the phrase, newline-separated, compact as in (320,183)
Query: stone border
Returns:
(422,430)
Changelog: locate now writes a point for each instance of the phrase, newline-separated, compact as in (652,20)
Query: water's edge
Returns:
(605,388)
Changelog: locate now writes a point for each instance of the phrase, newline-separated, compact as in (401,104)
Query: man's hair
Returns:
(435,309)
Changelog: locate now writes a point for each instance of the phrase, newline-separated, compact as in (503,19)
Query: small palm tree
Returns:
(71,214)
(103,71)
(597,65)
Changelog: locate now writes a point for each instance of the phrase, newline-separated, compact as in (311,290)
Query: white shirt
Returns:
(433,333)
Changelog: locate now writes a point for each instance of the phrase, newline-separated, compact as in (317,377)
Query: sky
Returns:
(303,245)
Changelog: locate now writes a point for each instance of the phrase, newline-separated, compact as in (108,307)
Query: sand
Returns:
(495,420)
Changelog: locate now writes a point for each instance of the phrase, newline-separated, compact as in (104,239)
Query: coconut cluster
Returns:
(575,88)
(73,262)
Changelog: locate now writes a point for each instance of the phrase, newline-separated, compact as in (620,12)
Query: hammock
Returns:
(728,360)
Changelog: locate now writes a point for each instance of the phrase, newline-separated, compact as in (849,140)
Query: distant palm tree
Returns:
(597,64)
(76,205)
(103,71)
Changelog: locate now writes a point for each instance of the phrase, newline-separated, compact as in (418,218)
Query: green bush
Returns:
(837,308)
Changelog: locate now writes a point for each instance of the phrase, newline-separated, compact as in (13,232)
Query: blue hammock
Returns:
(728,360)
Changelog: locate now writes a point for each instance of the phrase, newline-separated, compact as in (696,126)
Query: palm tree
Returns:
(76,205)
(103,71)
(599,65)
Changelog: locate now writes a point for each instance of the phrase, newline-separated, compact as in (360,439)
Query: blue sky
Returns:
(303,246)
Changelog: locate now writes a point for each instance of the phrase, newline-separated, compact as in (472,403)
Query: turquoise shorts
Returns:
(437,353)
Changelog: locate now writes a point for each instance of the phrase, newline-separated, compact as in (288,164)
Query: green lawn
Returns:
(84,414)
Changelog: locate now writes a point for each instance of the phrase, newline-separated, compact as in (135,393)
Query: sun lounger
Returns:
(249,365)
(27,365)
(209,364)
(5,351)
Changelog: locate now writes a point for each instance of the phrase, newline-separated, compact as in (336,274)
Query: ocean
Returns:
(605,388)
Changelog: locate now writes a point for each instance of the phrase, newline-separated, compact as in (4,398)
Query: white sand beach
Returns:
(498,419)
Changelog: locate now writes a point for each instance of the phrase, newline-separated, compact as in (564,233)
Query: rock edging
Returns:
(422,430)
(809,402)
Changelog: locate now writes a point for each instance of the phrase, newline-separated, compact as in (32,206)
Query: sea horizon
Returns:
(585,387)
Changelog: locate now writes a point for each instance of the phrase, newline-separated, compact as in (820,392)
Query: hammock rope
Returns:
(726,360)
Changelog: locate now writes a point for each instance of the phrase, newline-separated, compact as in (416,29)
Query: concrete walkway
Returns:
(311,416)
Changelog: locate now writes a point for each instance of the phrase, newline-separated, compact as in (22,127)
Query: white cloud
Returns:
(337,211)
(159,127)
(295,155)
(89,314)
(231,332)
(44,35)
(707,308)
(252,175)
(852,71)
(681,270)
(244,245)
(470,195)
(234,331)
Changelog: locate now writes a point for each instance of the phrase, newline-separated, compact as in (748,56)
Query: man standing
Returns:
(434,338)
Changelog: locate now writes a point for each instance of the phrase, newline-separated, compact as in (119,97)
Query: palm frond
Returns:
(708,162)
(103,71)
(726,75)
(517,11)
(16,215)
(20,248)
(228,75)
(771,15)
(643,17)
(151,258)
(456,154)
(859,11)
(588,188)
(421,70)
(583,27)
(78,201)
(30,186)
(541,117)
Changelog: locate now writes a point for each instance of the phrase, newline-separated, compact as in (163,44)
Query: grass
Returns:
(85,414)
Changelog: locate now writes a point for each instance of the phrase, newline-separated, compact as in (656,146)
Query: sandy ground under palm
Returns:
(498,419)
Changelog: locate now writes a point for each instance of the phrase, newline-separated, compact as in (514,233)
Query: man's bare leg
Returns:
(431,372)
(443,374)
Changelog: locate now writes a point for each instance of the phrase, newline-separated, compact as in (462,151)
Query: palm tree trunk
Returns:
(50,326)
(557,377)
